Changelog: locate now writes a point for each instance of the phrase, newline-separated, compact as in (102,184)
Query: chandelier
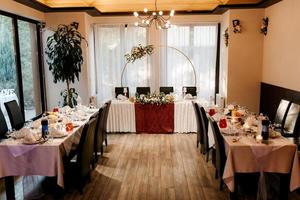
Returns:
(156,17)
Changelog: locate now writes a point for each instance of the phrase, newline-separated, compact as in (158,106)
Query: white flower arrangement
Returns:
(158,99)
(138,52)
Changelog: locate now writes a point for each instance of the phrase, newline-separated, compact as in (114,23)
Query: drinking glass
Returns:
(211,111)
(223,122)
(69,126)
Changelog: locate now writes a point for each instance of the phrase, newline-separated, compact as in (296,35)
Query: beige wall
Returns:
(281,60)
(19,9)
(53,90)
(245,53)
(223,56)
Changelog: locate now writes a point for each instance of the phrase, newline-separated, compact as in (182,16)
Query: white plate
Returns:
(32,143)
(58,136)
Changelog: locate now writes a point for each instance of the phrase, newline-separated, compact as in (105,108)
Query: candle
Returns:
(125,90)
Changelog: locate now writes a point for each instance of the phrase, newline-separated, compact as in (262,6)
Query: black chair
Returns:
(80,166)
(281,113)
(220,150)
(15,115)
(191,90)
(104,124)
(3,125)
(99,136)
(166,90)
(199,126)
(204,120)
(120,90)
(143,90)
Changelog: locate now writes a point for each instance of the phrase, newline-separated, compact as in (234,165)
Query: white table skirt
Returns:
(184,117)
(121,117)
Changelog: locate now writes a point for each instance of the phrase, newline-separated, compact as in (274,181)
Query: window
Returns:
(30,69)
(168,67)
(111,44)
(199,43)
(19,65)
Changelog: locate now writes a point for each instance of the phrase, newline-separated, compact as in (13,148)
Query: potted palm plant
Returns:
(65,58)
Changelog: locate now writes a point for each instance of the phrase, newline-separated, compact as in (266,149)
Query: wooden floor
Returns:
(150,166)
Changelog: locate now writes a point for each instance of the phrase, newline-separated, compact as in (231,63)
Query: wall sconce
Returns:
(226,37)
(237,28)
(264,26)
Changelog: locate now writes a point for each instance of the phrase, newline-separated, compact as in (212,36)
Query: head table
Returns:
(180,116)
(46,159)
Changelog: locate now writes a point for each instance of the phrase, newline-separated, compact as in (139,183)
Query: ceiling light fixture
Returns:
(155,17)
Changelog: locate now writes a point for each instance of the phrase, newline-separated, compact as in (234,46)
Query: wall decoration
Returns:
(237,28)
(226,37)
(138,52)
(264,26)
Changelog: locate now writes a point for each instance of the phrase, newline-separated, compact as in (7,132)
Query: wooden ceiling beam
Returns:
(93,11)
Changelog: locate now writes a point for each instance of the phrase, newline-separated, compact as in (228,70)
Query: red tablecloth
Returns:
(154,118)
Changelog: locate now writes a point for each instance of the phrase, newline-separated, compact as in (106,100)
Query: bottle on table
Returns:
(265,129)
(44,123)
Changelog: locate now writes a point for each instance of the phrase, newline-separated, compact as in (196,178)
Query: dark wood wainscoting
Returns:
(270,96)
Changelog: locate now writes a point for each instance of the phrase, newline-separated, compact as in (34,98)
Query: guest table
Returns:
(18,159)
(122,118)
(248,156)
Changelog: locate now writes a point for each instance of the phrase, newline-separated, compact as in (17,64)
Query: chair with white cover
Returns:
(281,114)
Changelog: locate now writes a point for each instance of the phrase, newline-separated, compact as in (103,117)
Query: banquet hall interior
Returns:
(150,99)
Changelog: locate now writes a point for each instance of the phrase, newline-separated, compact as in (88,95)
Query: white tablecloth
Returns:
(46,159)
(184,117)
(121,117)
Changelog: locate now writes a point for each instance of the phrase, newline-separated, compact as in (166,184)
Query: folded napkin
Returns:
(17,134)
(250,121)
(188,96)
(55,132)
(122,97)
(22,133)
(29,137)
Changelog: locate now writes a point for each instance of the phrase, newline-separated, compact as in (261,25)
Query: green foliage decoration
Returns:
(65,56)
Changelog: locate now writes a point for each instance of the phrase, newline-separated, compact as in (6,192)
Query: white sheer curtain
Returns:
(199,43)
(112,42)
